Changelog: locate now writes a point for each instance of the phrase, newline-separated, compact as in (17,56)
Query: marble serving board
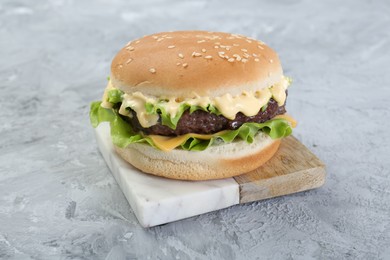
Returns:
(157,200)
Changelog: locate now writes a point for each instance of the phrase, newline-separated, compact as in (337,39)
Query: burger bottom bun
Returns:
(216,162)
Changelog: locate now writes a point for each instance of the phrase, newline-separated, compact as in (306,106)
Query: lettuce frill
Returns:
(122,133)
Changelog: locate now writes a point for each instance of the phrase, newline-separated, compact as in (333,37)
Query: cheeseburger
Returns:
(195,105)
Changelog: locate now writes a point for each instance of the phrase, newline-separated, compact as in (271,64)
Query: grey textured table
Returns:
(58,199)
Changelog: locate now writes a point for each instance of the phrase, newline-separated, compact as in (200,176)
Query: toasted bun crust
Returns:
(216,162)
(182,63)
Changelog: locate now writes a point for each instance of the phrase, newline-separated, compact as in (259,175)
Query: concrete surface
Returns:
(58,199)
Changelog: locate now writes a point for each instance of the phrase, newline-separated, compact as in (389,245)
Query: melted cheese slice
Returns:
(168,143)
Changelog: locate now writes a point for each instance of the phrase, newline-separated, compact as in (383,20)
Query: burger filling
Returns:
(202,122)
(199,121)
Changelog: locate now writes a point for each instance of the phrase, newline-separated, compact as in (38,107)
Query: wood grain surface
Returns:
(294,168)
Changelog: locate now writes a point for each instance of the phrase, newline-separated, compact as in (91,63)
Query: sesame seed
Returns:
(185,65)
(236,44)
(257,60)
(231,60)
(238,57)
(171,46)
(216,47)
(260,47)
(217,43)
(249,41)
(200,41)
(246,55)
(196,54)
(129,60)
(155,37)
(230,38)
(181,55)
(137,42)
(221,52)
(178,63)
(254,55)
(244,60)
(208,57)
(203,50)
(168,37)
(244,50)
(271,60)
(160,39)
(130,48)
(227,48)
(152,70)
(128,43)
(236,35)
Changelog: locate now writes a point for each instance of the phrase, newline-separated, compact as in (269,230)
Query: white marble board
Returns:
(157,200)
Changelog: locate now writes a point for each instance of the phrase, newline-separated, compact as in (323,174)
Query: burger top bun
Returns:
(184,63)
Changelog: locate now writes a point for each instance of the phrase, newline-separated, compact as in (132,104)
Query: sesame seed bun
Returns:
(182,63)
(208,64)
(216,162)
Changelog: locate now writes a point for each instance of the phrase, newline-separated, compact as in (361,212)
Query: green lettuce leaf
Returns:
(115,96)
(275,128)
(170,120)
(98,114)
(122,133)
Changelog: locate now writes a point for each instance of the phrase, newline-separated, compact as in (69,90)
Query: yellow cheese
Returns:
(168,143)
(288,118)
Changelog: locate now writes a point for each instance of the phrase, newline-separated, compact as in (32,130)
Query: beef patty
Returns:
(202,122)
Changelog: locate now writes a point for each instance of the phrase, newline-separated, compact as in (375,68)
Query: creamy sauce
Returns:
(279,91)
(105,102)
(137,101)
(249,103)
(199,101)
(172,107)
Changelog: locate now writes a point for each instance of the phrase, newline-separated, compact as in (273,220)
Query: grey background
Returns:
(59,200)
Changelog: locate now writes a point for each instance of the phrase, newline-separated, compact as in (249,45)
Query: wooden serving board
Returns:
(157,200)
(293,168)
